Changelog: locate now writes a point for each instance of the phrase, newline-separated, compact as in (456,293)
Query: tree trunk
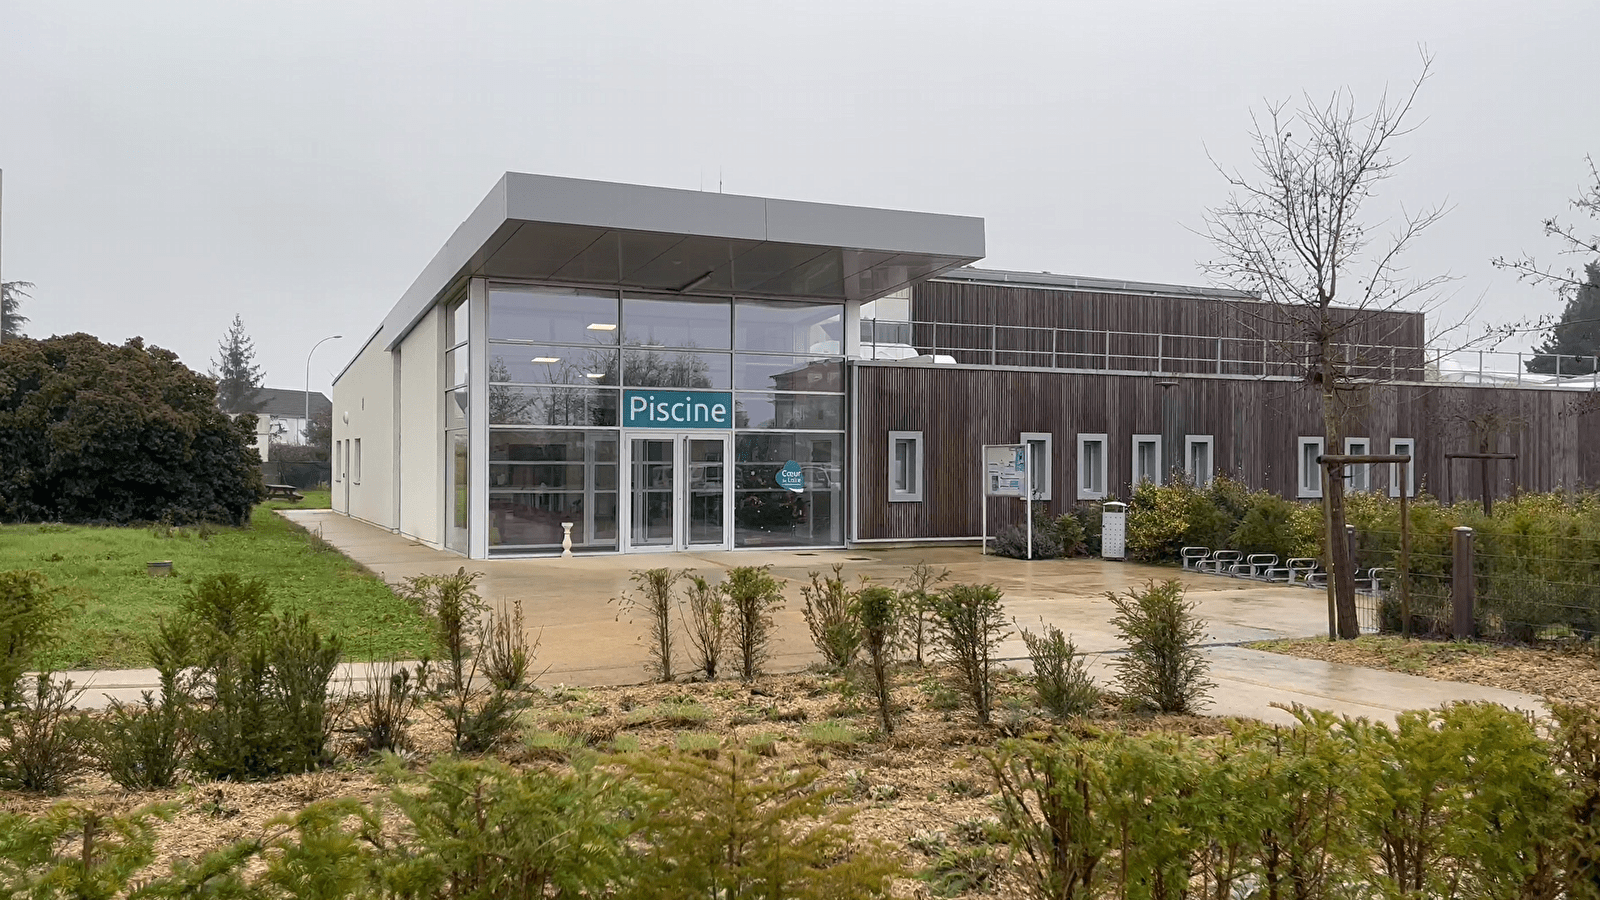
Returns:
(1341,574)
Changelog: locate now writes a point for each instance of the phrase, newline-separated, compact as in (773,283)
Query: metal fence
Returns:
(1146,353)
(1521,588)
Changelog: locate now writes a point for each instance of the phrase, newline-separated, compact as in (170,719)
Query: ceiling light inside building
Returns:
(602,326)
(594,374)
(546,359)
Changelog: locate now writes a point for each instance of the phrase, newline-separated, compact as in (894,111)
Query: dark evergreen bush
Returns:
(90,432)
(1163,669)
(43,742)
(31,612)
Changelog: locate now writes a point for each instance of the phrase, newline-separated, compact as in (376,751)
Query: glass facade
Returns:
(457,485)
(560,362)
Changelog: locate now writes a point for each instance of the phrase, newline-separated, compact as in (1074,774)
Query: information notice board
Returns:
(1005,474)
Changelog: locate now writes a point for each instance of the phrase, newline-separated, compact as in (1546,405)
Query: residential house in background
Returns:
(281,417)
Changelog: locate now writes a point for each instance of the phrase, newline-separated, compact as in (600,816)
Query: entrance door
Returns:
(679,492)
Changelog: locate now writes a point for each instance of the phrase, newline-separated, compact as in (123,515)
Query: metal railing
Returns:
(1157,353)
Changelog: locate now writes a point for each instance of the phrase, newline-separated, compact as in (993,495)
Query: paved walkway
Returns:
(567,604)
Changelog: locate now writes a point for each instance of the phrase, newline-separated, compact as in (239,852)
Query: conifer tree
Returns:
(1575,338)
(12,293)
(238,377)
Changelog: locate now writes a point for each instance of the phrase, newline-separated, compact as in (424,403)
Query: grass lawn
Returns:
(118,604)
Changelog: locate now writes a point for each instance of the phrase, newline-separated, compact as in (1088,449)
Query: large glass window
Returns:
(514,404)
(551,364)
(787,373)
(539,480)
(768,515)
(455,535)
(670,322)
(769,411)
(676,369)
(782,326)
(553,315)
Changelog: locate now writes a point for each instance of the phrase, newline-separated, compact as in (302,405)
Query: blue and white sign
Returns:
(649,408)
(791,478)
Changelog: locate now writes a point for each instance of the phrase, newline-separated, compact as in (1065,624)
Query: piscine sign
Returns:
(677,409)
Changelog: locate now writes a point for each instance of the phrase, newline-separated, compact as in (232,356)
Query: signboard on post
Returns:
(1005,474)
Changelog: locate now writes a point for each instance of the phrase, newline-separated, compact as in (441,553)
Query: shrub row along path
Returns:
(567,607)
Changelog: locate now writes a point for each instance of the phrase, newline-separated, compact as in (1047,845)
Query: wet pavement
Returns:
(568,605)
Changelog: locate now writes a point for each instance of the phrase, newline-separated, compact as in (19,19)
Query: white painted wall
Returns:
(421,486)
(363,407)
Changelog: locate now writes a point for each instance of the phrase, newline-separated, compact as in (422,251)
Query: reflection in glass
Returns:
(651,501)
(787,373)
(455,408)
(555,315)
(521,405)
(456,325)
(766,515)
(706,484)
(540,479)
(675,323)
(813,411)
(455,535)
(675,369)
(546,364)
(783,326)
(455,363)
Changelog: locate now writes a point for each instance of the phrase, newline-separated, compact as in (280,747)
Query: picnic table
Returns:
(284,492)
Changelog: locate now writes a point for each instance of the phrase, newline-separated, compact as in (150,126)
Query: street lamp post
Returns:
(306,424)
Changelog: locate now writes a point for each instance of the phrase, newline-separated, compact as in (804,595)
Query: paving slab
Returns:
(585,638)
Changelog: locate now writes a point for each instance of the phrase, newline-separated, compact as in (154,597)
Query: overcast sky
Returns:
(168,165)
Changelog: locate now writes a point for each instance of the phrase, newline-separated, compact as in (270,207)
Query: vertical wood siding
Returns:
(1254,424)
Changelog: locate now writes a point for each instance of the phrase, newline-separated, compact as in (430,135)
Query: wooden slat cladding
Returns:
(1010,323)
(1254,425)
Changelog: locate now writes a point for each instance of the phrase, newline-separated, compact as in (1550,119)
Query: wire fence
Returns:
(1526,587)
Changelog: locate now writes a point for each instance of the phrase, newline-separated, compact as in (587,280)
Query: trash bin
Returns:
(1113,530)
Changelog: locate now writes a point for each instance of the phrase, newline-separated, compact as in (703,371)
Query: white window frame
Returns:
(896,494)
(1301,489)
(338,460)
(1358,476)
(1134,469)
(1200,479)
(355,465)
(1084,492)
(1403,447)
(1044,458)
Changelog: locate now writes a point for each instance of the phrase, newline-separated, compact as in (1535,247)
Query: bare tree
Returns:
(1570,239)
(1296,232)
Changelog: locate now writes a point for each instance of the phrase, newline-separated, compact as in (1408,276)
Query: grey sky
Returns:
(168,165)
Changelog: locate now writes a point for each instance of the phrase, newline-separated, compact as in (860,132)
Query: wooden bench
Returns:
(284,492)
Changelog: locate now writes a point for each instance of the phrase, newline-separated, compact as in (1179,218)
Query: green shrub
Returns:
(875,608)
(1162,668)
(145,746)
(44,742)
(1089,519)
(1012,541)
(507,654)
(382,718)
(969,624)
(1267,527)
(453,604)
(755,596)
(31,614)
(726,828)
(651,599)
(834,734)
(830,617)
(1070,534)
(1163,519)
(76,851)
(916,592)
(1060,679)
(710,625)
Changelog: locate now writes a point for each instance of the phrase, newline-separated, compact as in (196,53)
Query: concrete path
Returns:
(568,605)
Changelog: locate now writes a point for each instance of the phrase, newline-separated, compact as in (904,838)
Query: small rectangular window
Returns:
(905,466)
(355,464)
(1310,470)
(1146,458)
(1040,450)
(1091,466)
(1198,459)
(338,470)
(1358,477)
(1403,447)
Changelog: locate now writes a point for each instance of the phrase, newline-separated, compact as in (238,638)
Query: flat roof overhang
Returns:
(568,230)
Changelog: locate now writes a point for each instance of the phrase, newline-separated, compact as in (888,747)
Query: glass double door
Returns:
(679,492)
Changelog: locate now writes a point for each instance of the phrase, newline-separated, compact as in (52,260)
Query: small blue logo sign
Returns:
(791,478)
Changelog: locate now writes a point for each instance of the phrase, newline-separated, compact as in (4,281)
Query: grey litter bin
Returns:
(1113,530)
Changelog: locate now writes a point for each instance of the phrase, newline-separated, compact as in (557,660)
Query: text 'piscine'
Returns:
(678,409)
